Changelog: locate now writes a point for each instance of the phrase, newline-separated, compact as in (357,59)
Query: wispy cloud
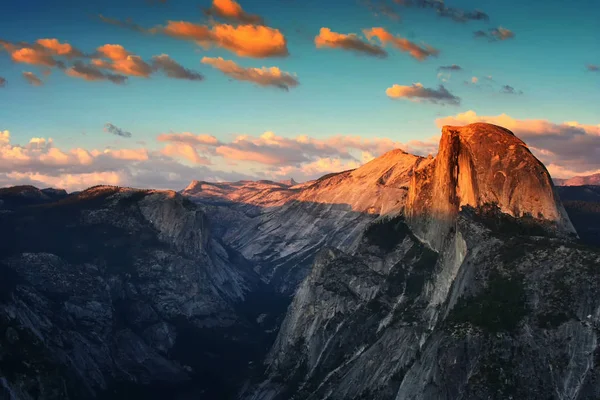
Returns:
(452,67)
(174,70)
(32,78)
(110,128)
(418,93)
(495,34)
(350,41)
(92,73)
(264,76)
(593,68)
(440,7)
(420,52)
(507,89)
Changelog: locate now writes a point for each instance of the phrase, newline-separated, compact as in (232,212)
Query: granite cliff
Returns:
(468,294)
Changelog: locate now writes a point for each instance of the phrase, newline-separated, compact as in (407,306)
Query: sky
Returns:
(156,93)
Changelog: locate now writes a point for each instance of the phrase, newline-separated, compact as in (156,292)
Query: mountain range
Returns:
(464,276)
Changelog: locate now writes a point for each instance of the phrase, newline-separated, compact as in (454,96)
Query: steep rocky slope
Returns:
(499,302)
(117,292)
(282,228)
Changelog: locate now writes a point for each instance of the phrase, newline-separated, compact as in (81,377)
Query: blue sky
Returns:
(340,92)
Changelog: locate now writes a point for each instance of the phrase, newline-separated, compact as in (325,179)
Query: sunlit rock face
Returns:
(281,228)
(477,291)
(481,164)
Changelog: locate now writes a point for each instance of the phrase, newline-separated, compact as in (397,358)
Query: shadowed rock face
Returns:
(121,293)
(482,164)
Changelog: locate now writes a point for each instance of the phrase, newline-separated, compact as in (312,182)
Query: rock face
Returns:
(121,293)
(484,307)
(282,228)
(583,205)
(482,164)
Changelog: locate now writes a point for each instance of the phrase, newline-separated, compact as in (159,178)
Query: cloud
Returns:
(2,82)
(495,34)
(276,151)
(121,61)
(264,76)
(185,156)
(41,164)
(254,41)
(510,90)
(593,68)
(452,67)
(92,73)
(42,52)
(232,11)
(380,8)
(189,138)
(32,79)
(110,128)
(327,38)
(569,145)
(405,45)
(55,47)
(443,10)
(418,93)
(174,70)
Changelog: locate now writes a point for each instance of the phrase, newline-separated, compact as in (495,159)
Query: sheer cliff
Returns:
(478,290)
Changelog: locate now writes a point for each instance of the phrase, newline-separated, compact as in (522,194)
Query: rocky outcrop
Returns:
(467,297)
(481,164)
(121,293)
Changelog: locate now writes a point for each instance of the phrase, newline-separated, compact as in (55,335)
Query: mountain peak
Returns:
(593,179)
(481,164)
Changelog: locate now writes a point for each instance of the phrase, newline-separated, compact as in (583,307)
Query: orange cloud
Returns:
(187,31)
(122,61)
(250,40)
(113,51)
(416,51)
(328,38)
(41,52)
(418,93)
(32,56)
(186,151)
(59,49)
(246,40)
(264,76)
(231,10)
